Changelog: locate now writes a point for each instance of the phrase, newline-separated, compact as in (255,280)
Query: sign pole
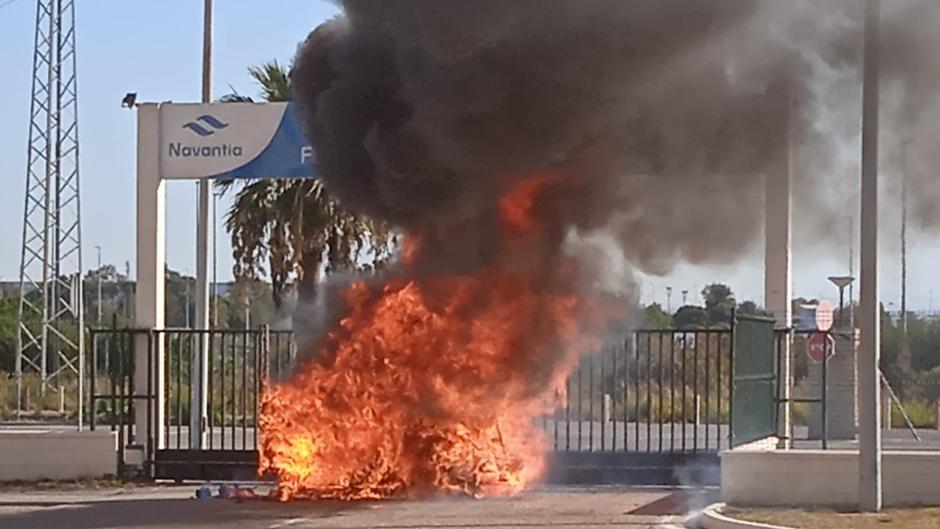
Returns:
(869,435)
(199,407)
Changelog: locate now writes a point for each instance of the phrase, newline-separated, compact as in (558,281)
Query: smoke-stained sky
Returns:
(670,112)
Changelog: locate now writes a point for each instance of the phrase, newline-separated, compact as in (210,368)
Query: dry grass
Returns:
(924,518)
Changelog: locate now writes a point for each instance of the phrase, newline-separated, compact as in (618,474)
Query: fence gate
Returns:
(654,409)
(754,404)
(238,362)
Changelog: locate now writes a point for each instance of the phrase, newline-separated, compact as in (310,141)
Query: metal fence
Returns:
(237,363)
(660,391)
(663,392)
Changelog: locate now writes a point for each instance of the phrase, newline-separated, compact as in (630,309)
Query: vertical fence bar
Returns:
(244,392)
(555,412)
(626,390)
(604,404)
(591,358)
(112,389)
(179,386)
(708,360)
(661,383)
(636,397)
(222,389)
(825,395)
(613,399)
(672,393)
(730,436)
(152,424)
(685,384)
(696,396)
(568,414)
(649,393)
(580,403)
(234,348)
(210,411)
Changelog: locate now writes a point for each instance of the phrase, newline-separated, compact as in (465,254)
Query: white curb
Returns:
(712,518)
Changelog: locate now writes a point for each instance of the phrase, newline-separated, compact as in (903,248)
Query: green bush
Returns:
(922,413)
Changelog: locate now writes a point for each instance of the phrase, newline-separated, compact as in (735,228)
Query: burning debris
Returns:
(501,136)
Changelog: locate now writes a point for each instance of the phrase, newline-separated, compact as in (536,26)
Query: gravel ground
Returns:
(173,507)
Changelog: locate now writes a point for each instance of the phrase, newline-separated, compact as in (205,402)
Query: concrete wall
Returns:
(32,455)
(824,478)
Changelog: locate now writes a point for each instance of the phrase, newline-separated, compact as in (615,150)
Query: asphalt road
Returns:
(173,508)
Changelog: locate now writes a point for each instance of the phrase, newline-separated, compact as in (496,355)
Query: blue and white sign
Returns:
(232,140)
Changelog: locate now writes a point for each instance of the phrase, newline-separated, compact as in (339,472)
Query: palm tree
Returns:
(294,225)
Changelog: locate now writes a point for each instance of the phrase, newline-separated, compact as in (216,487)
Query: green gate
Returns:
(753,398)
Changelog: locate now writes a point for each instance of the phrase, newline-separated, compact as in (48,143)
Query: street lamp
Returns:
(841,282)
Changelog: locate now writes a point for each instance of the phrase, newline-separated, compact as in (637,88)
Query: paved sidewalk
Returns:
(171,507)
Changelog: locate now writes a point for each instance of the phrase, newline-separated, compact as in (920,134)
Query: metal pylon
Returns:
(50,317)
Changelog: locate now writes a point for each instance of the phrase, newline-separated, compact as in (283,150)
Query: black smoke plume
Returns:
(671,113)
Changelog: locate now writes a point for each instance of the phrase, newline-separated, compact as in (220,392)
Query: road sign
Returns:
(820,345)
(823,316)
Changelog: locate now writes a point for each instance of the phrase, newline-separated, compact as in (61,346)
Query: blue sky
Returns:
(154,49)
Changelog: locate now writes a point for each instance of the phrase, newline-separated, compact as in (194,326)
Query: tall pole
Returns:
(778,286)
(852,272)
(199,389)
(215,265)
(669,300)
(904,242)
(869,435)
(98,321)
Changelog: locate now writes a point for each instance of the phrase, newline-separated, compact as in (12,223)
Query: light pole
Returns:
(841,282)
(685,296)
(200,373)
(869,432)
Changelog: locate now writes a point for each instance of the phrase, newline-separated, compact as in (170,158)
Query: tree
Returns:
(654,317)
(8,308)
(749,308)
(690,317)
(719,302)
(295,226)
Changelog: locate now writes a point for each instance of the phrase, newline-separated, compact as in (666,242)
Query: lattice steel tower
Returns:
(50,317)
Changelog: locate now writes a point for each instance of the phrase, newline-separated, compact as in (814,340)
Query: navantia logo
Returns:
(204,126)
(199,125)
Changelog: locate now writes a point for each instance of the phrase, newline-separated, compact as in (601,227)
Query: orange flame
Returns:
(427,387)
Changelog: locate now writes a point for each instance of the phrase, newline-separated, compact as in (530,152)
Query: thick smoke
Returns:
(668,114)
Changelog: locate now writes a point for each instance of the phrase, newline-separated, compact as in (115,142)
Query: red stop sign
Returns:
(820,345)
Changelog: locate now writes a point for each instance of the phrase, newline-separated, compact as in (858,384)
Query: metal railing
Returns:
(662,391)
(659,391)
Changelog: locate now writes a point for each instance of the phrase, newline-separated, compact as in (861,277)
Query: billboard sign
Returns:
(232,140)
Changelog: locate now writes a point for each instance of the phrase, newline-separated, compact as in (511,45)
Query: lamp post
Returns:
(841,282)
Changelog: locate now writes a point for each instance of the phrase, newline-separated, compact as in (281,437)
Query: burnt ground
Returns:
(174,507)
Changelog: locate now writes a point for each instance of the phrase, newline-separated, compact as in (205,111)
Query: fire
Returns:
(428,386)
